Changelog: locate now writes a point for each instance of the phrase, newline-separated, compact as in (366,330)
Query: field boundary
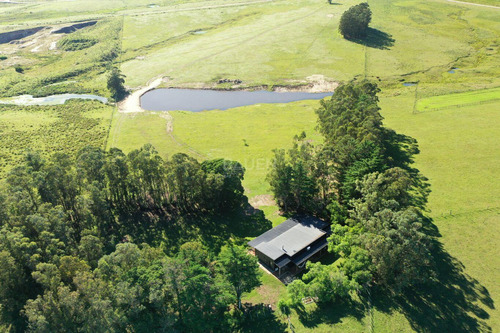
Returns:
(457,106)
(473,4)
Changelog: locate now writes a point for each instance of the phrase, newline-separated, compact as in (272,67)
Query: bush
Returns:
(354,22)
(3,57)
(19,69)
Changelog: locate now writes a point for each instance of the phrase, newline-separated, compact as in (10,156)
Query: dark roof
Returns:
(315,248)
(290,237)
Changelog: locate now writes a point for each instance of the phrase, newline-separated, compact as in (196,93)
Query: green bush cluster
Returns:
(74,44)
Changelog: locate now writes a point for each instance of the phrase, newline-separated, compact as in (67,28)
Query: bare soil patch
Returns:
(262,200)
(132,103)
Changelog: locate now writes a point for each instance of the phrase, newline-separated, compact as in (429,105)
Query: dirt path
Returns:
(473,4)
(132,103)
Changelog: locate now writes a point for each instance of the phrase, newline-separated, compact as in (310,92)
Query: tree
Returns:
(285,308)
(240,269)
(383,238)
(297,178)
(354,21)
(115,84)
(325,282)
(231,192)
(198,294)
(12,282)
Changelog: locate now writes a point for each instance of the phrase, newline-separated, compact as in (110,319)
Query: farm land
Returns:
(447,53)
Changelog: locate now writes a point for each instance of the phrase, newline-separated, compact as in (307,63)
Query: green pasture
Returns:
(485,2)
(246,134)
(285,42)
(59,128)
(57,71)
(459,99)
(259,42)
(459,155)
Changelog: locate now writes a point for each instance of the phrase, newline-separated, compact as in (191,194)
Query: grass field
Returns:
(279,48)
(62,128)
(460,99)
(246,134)
(279,42)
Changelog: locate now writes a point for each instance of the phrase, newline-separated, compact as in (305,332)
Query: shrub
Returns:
(19,69)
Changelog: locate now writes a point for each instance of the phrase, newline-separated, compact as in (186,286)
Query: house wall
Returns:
(264,259)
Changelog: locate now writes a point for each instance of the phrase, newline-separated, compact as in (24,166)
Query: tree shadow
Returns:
(376,39)
(450,303)
(158,228)
(329,313)
(260,318)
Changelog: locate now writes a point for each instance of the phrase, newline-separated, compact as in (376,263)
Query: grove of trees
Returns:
(362,180)
(112,242)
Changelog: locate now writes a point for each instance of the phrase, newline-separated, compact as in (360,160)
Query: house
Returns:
(287,247)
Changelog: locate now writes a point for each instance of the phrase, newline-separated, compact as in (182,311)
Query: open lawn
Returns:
(259,42)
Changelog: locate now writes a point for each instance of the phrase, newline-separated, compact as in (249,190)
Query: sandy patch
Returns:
(314,84)
(132,103)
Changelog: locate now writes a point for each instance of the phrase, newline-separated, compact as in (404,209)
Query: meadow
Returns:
(272,43)
(59,128)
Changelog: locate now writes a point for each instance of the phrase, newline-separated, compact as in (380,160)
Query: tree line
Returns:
(97,242)
(362,179)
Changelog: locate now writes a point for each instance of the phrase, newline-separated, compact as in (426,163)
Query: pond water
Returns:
(409,84)
(200,100)
(49,100)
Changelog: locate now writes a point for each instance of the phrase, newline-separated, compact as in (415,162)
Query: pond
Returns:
(49,100)
(200,99)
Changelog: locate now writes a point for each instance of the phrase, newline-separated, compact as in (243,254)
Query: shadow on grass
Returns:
(448,304)
(330,313)
(376,39)
(452,302)
(158,228)
(259,318)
